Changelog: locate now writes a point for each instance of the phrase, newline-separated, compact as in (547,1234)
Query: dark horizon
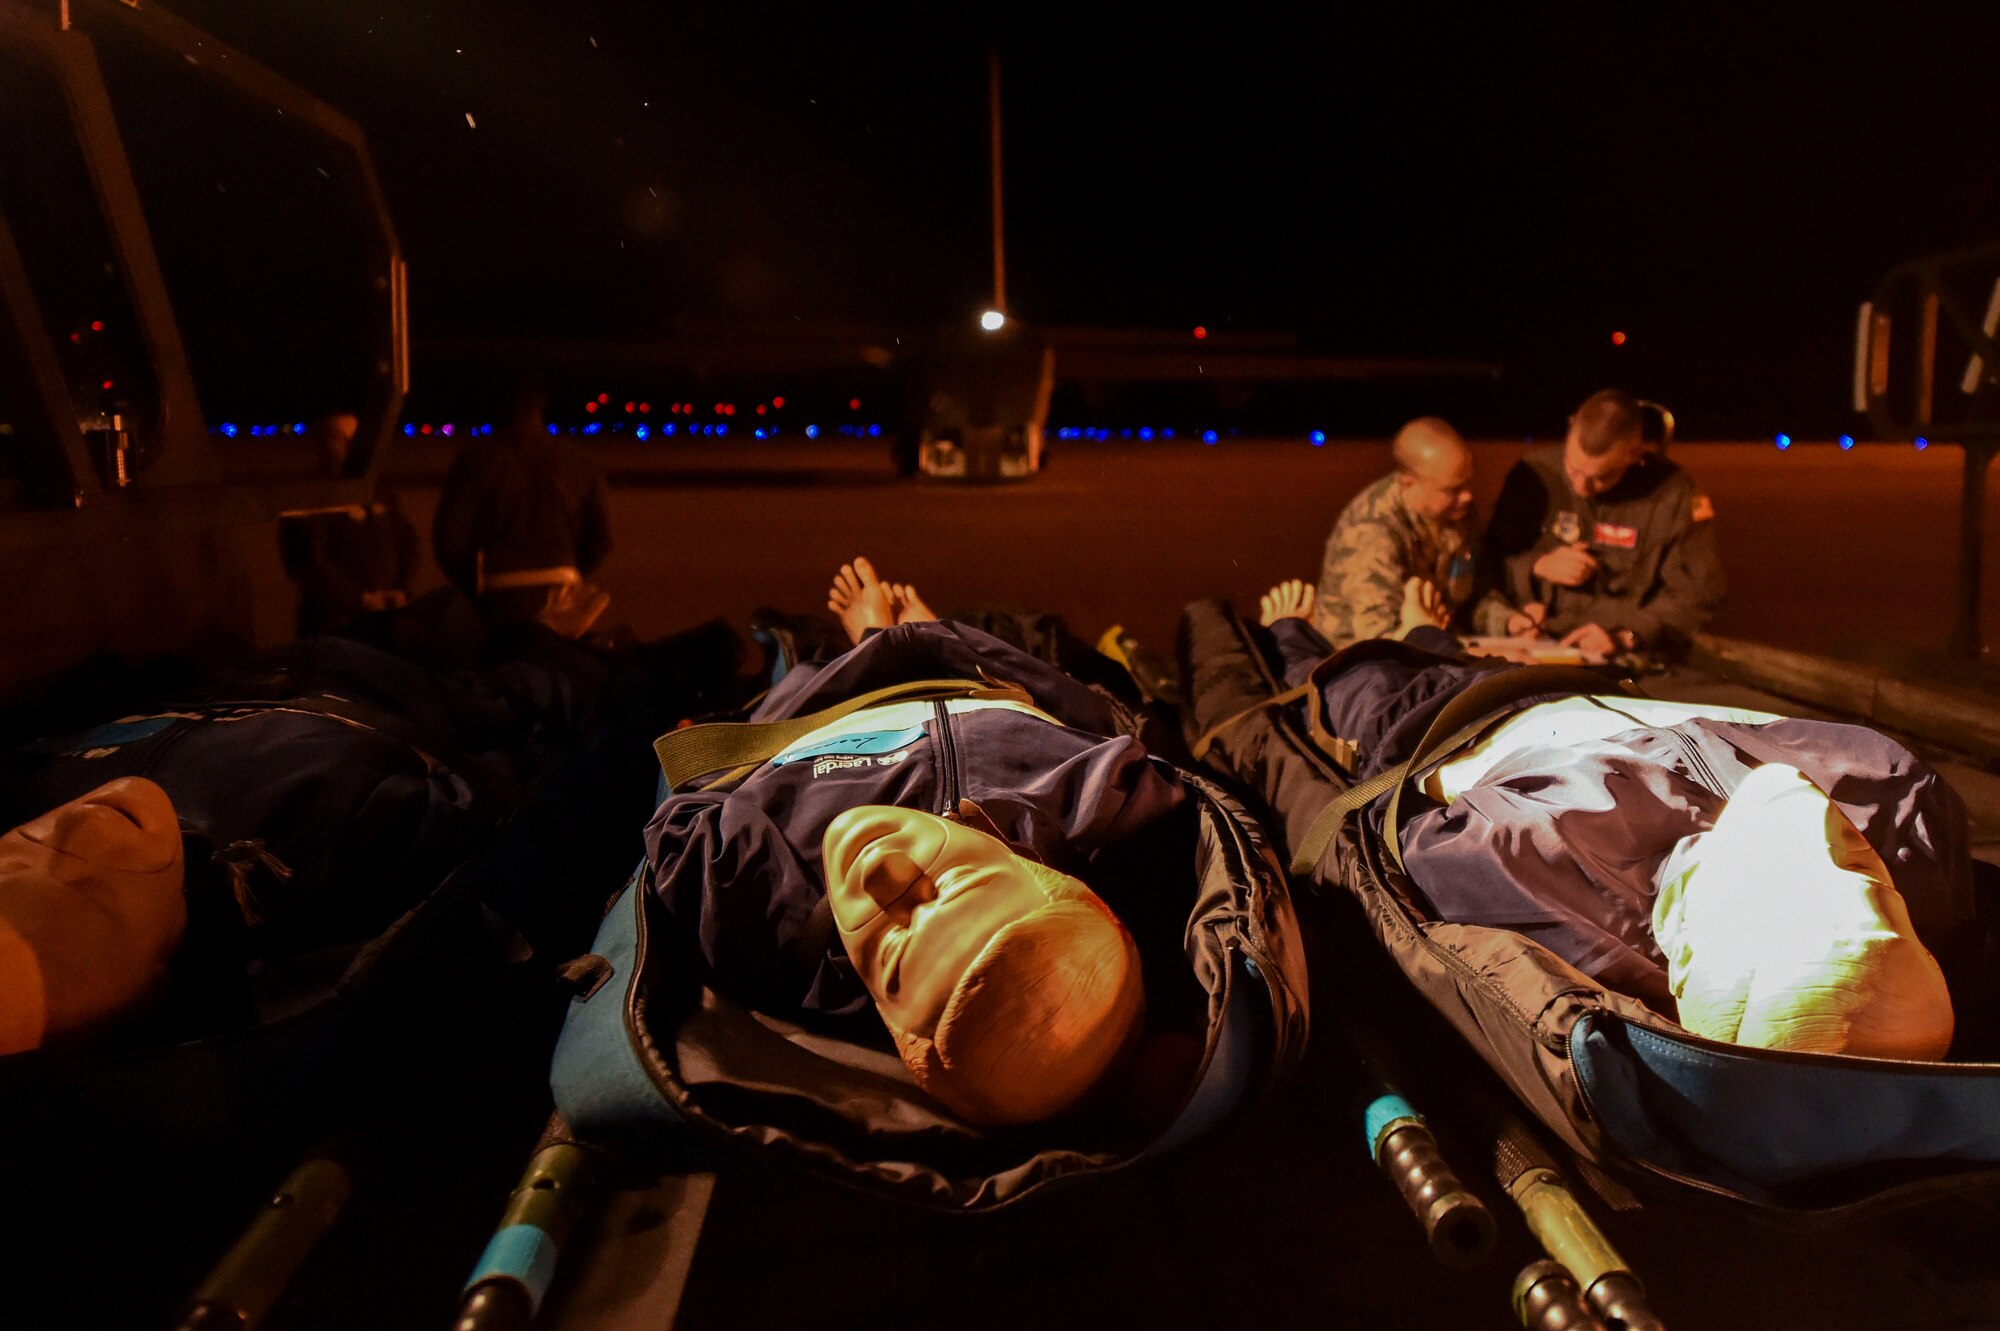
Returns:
(1515,187)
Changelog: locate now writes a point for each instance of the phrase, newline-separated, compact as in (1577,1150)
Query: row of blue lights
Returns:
(667,429)
(229,430)
(1846,442)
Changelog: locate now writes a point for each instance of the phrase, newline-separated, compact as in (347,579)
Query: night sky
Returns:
(1511,183)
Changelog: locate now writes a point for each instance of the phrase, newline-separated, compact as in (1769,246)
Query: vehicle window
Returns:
(80,288)
(267,248)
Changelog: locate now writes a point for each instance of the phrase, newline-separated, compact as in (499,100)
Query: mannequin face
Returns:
(917,898)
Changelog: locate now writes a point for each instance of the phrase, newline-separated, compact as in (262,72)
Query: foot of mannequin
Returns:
(1290,599)
(860,599)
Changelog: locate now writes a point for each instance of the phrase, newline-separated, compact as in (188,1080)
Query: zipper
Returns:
(947,762)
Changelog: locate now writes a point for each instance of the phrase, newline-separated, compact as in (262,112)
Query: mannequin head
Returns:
(1781,929)
(1009,988)
(90,910)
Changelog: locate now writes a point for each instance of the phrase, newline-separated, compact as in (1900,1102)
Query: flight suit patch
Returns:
(1617,537)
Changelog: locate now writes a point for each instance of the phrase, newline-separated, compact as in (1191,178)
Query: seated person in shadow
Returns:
(347,562)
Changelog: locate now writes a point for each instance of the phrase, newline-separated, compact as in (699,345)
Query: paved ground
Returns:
(1826,550)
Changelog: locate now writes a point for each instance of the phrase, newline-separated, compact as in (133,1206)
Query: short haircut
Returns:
(1422,439)
(1607,418)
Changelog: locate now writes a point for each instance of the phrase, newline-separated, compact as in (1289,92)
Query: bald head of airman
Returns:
(1434,470)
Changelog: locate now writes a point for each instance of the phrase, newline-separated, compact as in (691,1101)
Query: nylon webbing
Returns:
(1215,732)
(1484,702)
(687,754)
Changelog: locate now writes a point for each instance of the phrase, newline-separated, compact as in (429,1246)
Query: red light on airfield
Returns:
(760,409)
(590,406)
(106,385)
(854,404)
(718,408)
(645,408)
(777,404)
(97,325)
(1200,332)
(604,397)
(729,410)
(631,407)
(1618,339)
(424,430)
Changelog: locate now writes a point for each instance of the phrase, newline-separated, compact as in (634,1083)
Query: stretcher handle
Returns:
(1567,1233)
(1546,1299)
(507,1285)
(250,1277)
(1457,1224)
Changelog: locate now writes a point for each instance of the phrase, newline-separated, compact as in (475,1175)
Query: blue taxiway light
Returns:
(812,432)
(1318,438)
(642,432)
(1784,441)
(1846,441)
(1922,443)
(592,428)
(1209,436)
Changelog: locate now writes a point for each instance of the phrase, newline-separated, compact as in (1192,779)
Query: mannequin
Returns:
(1728,867)
(90,910)
(1009,988)
(924,860)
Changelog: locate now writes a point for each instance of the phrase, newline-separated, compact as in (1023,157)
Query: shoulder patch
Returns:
(1704,508)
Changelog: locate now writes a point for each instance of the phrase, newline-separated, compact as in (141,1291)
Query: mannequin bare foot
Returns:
(860,599)
(1290,599)
(910,607)
(1423,604)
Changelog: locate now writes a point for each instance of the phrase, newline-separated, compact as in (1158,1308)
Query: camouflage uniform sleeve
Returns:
(1360,582)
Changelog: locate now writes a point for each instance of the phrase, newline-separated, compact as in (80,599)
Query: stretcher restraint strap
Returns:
(1456,725)
(697,750)
(1215,732)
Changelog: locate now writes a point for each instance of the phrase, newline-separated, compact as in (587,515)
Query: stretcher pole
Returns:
(1457,1224)
(250,1278)
(1566,1232)
(513,1274)
(1546,1298)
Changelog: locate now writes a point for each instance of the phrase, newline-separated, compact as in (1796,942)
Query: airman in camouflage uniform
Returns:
(1413,523)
